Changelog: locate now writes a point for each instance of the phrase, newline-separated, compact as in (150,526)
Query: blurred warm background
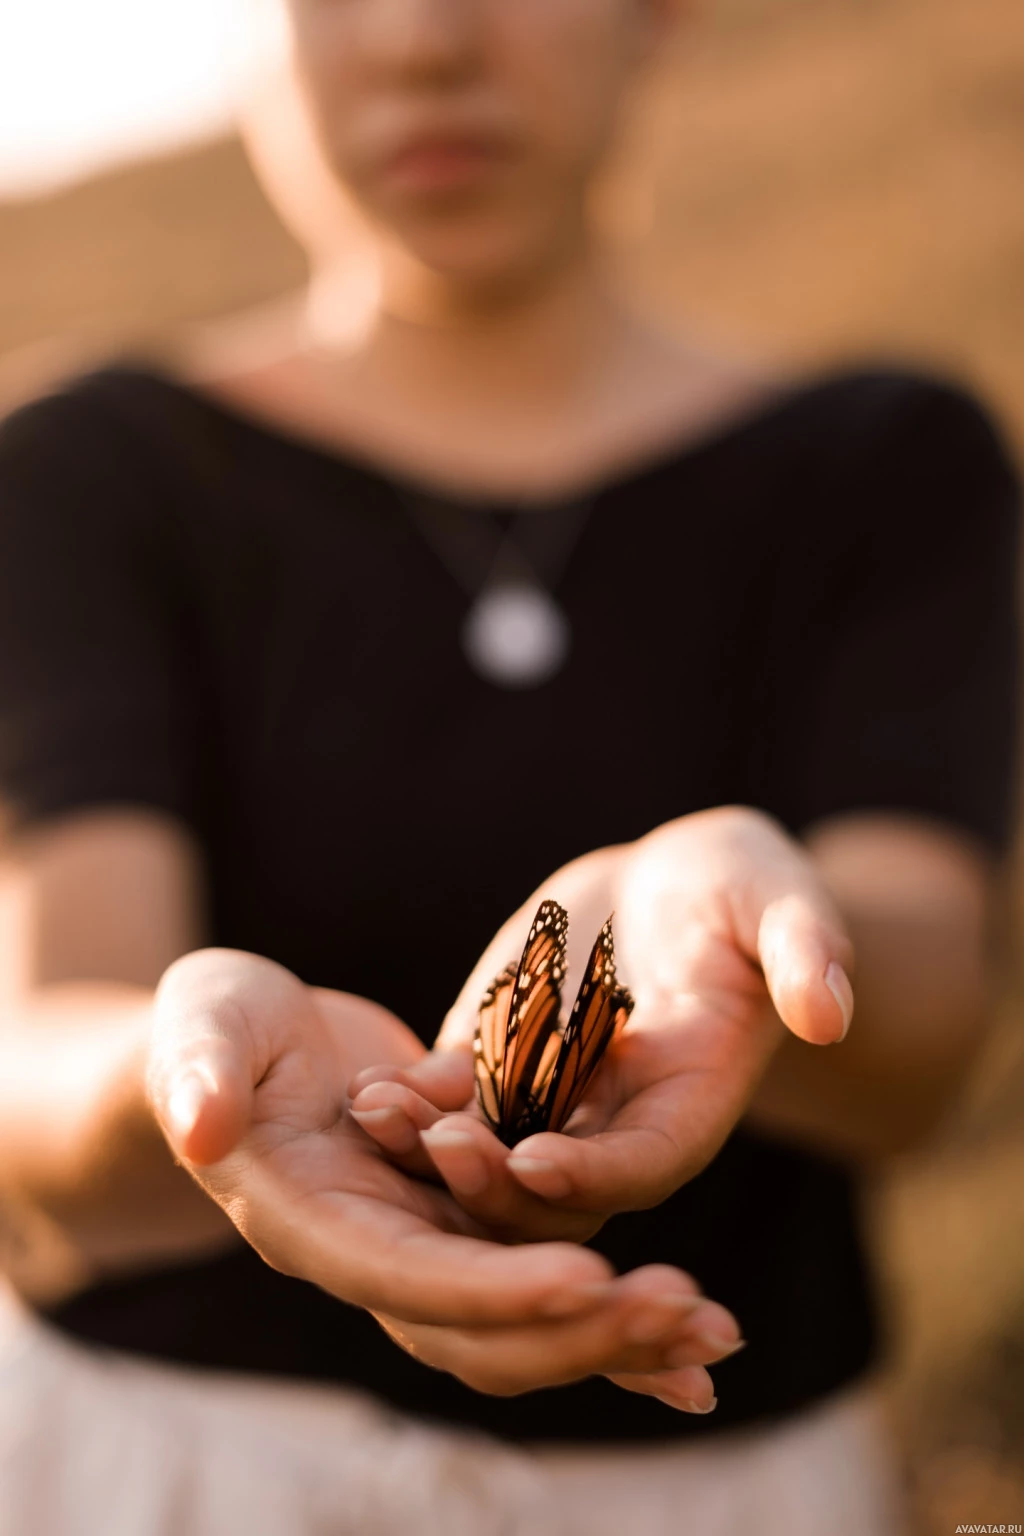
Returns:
(820,179)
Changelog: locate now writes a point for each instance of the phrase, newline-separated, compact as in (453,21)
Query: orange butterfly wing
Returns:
(602,1006)
(536,1003)
(489,1044)
(517,1039)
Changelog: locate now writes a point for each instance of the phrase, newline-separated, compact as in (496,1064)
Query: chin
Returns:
(484,255)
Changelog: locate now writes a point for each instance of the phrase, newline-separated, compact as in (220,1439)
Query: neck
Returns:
(540,339)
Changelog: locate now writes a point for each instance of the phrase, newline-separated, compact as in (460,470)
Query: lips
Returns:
(444,161)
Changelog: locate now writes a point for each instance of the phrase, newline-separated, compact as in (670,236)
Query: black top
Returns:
(811,611)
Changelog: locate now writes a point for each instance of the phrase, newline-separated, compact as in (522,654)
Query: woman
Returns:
(327,647)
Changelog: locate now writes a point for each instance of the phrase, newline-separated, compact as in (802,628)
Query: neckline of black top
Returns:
(675,452)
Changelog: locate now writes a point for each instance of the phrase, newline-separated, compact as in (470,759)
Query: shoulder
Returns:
(102,447)
(90,472)
(87,414)
(899,464)
(902,421)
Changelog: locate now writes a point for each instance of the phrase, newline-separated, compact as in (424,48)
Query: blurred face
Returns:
(468,130)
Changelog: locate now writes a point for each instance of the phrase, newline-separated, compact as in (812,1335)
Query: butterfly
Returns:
(531,1071)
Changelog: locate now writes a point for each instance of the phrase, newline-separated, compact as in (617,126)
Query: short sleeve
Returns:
(94,705)
(917,687)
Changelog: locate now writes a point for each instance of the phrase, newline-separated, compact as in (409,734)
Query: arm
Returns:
(92,909)
(904,755)
(920,902)
(95,899)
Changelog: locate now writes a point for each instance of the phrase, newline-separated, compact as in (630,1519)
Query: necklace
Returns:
(515,634)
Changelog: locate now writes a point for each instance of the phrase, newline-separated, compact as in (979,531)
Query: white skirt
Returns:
(97,1443)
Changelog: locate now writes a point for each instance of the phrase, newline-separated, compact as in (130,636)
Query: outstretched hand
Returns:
(727,938)
(247,1076)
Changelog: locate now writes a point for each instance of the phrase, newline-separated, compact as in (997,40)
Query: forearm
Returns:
(917,903)
(81,1158)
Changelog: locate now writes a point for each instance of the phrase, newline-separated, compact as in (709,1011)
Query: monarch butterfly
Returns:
(531,1071)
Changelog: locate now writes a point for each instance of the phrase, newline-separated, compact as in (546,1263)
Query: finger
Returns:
(209,1048)
(690,1389)
(611,1171)
(786,919)
(474,1165)
(662,1134)
(205,1108)
(443,1077)
(770,905)
(668,1093)
(507,1361)
(803,961)
(379,1256)
(667,1308)
(707,1334)
(393,1116)
(471,1161)
(638,1330)
(628,1167)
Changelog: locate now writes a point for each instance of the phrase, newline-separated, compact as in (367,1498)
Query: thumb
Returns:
(804,955)
(203,1060)
(739,864)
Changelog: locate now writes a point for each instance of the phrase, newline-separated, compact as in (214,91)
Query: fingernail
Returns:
(576,1299)
(727,1347)
(658,1318)
(721,1349)
(468,1174)
(184,1103)
(540,1175)
(441,1135)
(392,1126)
(368,1076)
(371,1117)
(687,1404)
(838,984)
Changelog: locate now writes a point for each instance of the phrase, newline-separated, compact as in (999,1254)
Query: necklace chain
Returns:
(531,547)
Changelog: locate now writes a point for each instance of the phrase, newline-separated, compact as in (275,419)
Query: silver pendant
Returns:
(515,635)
